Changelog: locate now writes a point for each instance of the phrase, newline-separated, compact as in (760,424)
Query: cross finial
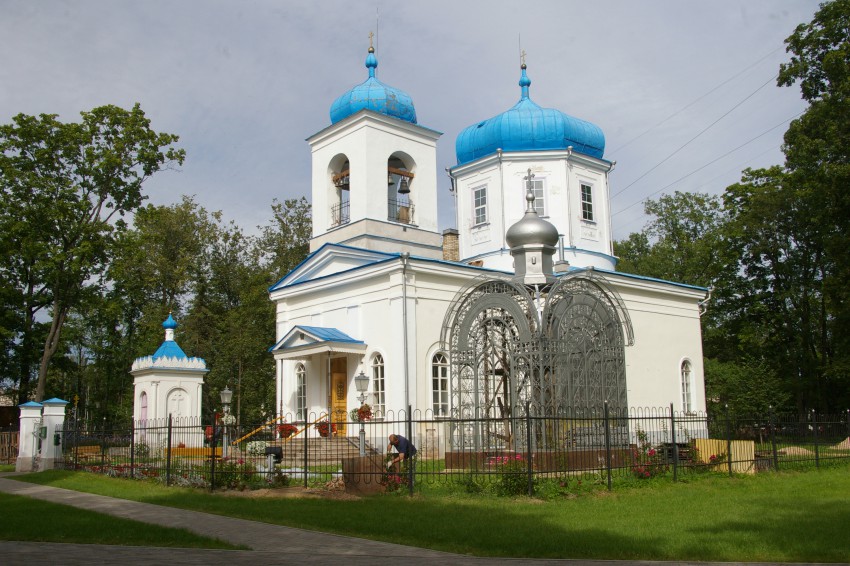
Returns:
(371,35)
(529,177)
(522,57)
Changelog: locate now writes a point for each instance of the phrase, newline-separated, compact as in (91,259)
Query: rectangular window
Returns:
(586,202)
(537,189)
(479,205)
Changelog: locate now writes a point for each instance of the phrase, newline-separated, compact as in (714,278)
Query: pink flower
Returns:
(651,452)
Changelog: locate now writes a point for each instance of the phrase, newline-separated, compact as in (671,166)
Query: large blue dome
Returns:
(374,95)
(528,127)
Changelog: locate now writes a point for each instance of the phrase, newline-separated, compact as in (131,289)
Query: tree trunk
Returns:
(51,344)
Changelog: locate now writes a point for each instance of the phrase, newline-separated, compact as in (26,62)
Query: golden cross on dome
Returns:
(371,35)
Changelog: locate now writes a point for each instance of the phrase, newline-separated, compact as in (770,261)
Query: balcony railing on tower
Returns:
(400,211)
(340,214)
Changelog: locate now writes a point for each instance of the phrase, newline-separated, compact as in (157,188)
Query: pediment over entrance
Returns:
(304,341)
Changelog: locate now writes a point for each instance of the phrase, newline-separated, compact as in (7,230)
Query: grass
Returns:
(24,519)
(776,517)
(7,467)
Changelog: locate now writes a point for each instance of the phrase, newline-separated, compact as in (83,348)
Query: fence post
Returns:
(728,440)
(607,445)
(529,466)
(213,443)
(306,432)
(412,463)
(815,433)
(773,440)
(168,451)
(133,449)
(675,445)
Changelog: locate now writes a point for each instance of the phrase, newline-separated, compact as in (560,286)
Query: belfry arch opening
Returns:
(339,173)
(400,176)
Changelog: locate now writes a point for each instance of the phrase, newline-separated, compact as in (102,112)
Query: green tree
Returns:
(66,188)
(817,151)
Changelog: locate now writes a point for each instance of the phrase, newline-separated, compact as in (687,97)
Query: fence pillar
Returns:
(133,449)
(53,419)
(213,446)
(28,441)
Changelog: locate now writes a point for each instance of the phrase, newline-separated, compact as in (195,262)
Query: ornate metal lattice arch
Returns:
(586,327)
(551,352)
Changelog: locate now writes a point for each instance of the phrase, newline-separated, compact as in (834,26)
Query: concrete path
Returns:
(270,544)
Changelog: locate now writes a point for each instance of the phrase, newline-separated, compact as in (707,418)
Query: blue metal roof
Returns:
(318,333)
(169,349)
(529,127)
(374,95)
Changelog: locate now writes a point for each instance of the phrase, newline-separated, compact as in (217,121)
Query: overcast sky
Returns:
(243,83)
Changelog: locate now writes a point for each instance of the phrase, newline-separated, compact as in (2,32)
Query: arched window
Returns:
(378,386)
(687,386)
(300,392)
(144,406)
(440,384)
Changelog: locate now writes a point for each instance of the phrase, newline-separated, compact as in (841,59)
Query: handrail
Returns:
(274,420)
(304,428)
(256,430)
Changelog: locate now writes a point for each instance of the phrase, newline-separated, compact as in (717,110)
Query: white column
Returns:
(53,417)
(30,420)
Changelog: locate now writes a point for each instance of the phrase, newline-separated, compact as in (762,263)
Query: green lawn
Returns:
(781,517)
(23,519)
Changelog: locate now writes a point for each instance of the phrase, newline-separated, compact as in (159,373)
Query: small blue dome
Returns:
(374,95)
(169,323)
(528,127)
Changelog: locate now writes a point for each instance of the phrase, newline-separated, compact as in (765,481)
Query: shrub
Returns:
(647,462)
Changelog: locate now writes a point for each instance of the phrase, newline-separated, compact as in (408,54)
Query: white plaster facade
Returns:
(373,287)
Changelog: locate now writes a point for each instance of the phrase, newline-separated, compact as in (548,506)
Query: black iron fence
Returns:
(506,455)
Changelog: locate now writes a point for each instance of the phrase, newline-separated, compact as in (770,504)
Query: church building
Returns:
(519,307)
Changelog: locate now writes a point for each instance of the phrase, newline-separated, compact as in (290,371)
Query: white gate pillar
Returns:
(53,417)
(28,442)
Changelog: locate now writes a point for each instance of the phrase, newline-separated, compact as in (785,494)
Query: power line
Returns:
(738,167)
(674,114)
(683,146)
(783,122)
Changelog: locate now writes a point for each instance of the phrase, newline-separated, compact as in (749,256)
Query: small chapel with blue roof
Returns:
(168,383)
(437,321)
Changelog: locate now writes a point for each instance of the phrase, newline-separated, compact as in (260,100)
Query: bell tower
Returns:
(374,173)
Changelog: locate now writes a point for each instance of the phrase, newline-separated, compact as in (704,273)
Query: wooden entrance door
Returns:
(339,391)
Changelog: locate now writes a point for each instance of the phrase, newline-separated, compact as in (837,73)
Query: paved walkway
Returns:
(270,544)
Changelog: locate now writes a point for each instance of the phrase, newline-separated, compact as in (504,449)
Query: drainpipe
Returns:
(608,205)
(567,171)
(405,257)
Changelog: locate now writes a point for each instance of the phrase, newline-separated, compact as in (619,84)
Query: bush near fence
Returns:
(469,454)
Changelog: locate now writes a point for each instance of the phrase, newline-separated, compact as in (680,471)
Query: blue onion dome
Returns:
(374,95)
(531,229)
(170,323)
(528,127)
